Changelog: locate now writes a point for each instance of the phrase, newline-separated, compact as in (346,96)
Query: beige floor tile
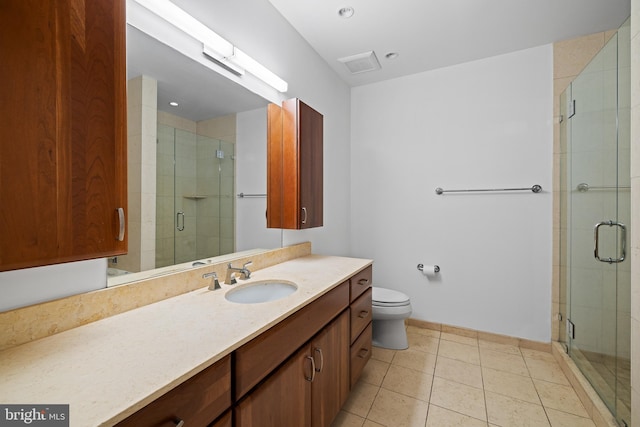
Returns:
(374,372)
(408,382)
(458,351)
(383,354)
(546,370)
(360,399)
(508,384)
(397,410)
(345,419)
(369,423)
(416,360)
(458,371)
(503,362)
(441,417)
(560,397)
(539,355)
(506,411)
(562,419)
(505,348)
(458,397)
(423,343)
(423,331)
(459,338)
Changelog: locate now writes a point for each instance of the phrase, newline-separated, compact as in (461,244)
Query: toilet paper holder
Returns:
(436,268)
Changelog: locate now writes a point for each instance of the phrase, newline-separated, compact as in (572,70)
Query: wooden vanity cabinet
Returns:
(197,402)
(309,389)
(361,321)
(63,150)
(294,166)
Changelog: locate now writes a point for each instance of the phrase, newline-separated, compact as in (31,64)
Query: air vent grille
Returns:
(361,63)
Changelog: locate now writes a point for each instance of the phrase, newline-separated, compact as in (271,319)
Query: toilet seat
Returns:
(383,297)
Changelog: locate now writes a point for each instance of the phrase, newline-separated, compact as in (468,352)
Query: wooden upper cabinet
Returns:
(294,166)
(63,135)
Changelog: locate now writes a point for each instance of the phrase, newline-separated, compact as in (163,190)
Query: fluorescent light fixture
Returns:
(214,46)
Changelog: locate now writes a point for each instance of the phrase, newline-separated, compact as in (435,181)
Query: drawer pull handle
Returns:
(179,422)
(121,224)
(363,282)
(363,353)
(313,370)
(319,351)
(363,314)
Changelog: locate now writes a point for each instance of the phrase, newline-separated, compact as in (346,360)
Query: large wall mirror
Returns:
(197,170)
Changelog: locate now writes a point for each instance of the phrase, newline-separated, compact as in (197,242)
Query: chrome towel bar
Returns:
(536,189)
(244,195)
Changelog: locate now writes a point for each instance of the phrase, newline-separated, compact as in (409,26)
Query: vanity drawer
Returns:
(198,401)
(260,356)
(360,282)
(360,353)
(361,312)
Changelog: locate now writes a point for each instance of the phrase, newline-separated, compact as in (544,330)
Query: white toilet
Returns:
(390,308)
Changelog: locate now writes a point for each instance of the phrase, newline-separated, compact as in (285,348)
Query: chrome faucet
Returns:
(214,282)
(230,278)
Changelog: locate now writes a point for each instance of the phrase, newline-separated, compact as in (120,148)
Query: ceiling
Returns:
(426,34)
(429,34)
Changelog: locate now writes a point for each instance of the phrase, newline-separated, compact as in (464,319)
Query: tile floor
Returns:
(450,380)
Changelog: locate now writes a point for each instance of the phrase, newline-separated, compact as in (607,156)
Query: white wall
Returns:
(483,124)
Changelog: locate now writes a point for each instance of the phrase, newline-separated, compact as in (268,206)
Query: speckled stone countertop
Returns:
(110,368)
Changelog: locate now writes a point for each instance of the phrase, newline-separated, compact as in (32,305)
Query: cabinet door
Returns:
(310,171)
(294,166)
(63,139)
(330,387)
(284,400)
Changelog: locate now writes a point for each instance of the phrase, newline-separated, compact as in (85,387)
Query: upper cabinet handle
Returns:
(179,422)
(121,222)
(304,219)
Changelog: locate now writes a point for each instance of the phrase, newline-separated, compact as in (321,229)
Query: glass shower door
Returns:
(598,213)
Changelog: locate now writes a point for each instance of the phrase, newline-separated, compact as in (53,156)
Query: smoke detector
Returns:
(361,62)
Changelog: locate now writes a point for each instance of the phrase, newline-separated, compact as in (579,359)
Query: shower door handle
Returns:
(623,236)
(179,223)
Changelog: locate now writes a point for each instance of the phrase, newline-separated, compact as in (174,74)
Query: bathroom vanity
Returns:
(202,360)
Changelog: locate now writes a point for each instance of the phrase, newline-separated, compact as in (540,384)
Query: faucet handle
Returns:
(214,282)
(247,263)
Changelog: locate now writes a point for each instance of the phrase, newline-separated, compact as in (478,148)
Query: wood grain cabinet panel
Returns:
(361,314)
(360,354)
(197,402)
(360,282)
(294,166)
(63,139)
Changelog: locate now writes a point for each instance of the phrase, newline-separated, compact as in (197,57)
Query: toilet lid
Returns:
(388,297)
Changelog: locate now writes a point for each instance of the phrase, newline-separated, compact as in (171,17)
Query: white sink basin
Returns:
(263,291)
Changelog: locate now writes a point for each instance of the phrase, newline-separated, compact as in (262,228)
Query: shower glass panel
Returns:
(595,127)
(194,201)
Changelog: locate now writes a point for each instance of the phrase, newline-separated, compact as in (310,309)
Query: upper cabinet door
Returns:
(295,165)
(63,140)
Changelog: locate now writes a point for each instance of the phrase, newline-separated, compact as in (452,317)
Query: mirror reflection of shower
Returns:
(195,178)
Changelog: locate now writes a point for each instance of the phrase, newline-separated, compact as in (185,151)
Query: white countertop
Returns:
(109,369)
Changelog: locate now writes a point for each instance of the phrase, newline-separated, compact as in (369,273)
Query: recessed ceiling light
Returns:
(346,12)
(392,55)
(174,104)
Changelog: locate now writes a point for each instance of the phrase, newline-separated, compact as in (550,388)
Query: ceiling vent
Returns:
(361,63)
